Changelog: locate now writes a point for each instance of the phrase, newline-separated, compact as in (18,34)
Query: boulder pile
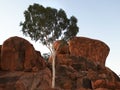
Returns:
(80,65)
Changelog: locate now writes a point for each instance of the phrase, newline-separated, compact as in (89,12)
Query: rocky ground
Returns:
(80,65)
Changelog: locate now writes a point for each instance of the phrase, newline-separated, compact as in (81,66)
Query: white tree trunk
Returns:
(53,68)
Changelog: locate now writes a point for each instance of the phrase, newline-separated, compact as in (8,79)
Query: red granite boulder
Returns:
(62,52)
(18,54)
(19,80)
(92,49)
(61,47)
(34,81)
(74,71)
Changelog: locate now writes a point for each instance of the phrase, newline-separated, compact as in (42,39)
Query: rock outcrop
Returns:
(20,80)
(18,54)
(91,49)
(82,67)
(34,81)
(77,66)
(61,46)
(83,74)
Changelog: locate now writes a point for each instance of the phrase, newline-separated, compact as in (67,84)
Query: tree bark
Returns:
(53,68)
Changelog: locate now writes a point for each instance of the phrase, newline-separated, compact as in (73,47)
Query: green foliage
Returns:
(48,24)
(46,56)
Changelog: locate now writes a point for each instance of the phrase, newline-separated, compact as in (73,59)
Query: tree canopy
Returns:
(46,24)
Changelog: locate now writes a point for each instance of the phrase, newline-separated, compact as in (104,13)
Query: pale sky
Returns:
(97,19)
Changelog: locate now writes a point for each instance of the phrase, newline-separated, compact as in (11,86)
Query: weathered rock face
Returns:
(83,74)
(83,68)
(35,81)
(92,49)
(18,54)
(20,80)
(73,72)
(61,47)
(62,50)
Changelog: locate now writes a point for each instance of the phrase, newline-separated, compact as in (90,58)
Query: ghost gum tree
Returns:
(46,24)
